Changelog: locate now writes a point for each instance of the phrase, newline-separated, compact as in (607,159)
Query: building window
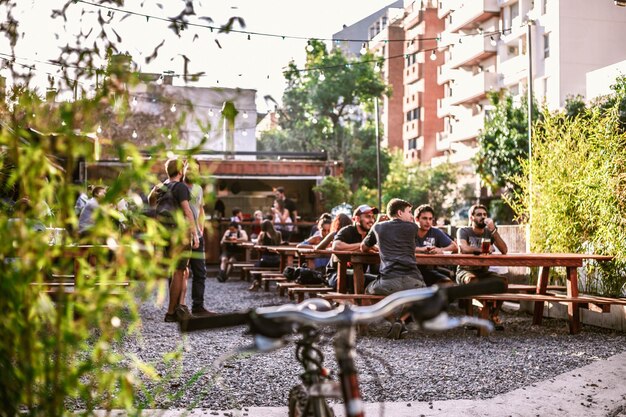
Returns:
(413,114)
(546,45)
(545,6)
(412,144)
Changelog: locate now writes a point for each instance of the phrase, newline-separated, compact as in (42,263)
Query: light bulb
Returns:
(211,113)
(493,41)
(314,121)
(99,129)
(322,76)
(363,48)
(173,108)
(134,101)
(433,56)
(134,135)
(244,133)
(245,115)
(309,48)
(160,80)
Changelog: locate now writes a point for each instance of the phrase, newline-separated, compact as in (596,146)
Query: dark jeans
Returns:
(332,281)
(197,267)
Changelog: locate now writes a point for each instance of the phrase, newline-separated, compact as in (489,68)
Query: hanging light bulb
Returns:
(309,48)
(493,41)
(63,123)
(363,50)
(99,129)
(134,135)
(245,115)
(244,133)
(433,55)
(160,80)
(322,77)
(173,108)
(314,121)
(169,136)
(211,113)
(248,36)
(134,101)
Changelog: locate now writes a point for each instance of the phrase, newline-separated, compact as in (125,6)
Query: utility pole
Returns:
(380,193)
(529,51)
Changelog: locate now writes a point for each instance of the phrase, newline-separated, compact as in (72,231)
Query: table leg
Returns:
(358,279)
(573,312)
(542,287)
(342,271)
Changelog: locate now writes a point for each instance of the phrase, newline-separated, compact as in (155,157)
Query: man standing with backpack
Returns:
(169,197)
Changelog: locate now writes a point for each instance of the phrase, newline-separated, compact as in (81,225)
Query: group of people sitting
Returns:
(397,236)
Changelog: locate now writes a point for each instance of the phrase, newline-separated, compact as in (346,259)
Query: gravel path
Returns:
(421,367)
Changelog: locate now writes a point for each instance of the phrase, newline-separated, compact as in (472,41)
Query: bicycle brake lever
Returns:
(445,322)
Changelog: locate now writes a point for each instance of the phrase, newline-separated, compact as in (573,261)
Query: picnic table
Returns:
(544,261)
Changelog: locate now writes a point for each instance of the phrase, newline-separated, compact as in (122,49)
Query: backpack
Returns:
(306,276)
(166,204)
(289,273)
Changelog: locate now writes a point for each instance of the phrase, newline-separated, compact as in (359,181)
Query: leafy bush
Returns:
(578,195)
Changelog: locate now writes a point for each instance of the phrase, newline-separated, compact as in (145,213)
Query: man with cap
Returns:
(349,239)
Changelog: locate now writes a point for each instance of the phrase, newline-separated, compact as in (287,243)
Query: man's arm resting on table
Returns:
(340,245)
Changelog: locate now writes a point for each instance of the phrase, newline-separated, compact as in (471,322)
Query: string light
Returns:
(245,115)
(99,129)
(433,55)
(160,80)
(244,133)
(211,113)
(173,108)
(363,50)
(493,41)
(134,101)
(322,77)
(134,135)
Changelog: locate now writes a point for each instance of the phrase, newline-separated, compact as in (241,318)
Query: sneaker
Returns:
(171,318)
(395,331)
(221,276)
(201,311)
(182,312)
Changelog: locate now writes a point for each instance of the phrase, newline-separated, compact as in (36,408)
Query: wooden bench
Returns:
(361,299)
(266,279)
(248,271)
(284,286)
(299,292)
(594,303)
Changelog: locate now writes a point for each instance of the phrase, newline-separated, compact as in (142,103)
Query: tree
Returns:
(325,106)
(503,142)
(422,185)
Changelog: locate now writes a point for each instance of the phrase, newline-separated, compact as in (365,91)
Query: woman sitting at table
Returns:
(268,237)
(282,221)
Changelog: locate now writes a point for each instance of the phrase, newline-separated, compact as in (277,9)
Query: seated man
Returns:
(231,250)
(431,240)
(349,239)
(396,245)
(470,240)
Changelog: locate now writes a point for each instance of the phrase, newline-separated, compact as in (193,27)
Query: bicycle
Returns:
(271,326)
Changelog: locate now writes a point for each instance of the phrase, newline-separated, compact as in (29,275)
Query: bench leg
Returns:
(573,312)
(300,297)
(542,287)
(266,286)
(484,313)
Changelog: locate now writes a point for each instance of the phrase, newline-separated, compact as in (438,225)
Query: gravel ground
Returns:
(423,366)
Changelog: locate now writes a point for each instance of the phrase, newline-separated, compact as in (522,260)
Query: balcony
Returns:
(472,13)
(467,128)
(447,6)
(444,108)
(445,74)
(472,89)
(412,73)
(472,51)
(513,70)
(411,129)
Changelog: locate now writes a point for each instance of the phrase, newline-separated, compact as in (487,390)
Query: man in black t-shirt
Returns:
(175,168)
(349,239)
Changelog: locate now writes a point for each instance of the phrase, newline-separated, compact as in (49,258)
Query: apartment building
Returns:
(421,91)
(485,46)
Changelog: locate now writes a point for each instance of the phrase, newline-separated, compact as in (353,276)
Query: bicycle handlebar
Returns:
(277,321)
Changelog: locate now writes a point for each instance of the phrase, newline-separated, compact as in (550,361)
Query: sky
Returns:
(255,63)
